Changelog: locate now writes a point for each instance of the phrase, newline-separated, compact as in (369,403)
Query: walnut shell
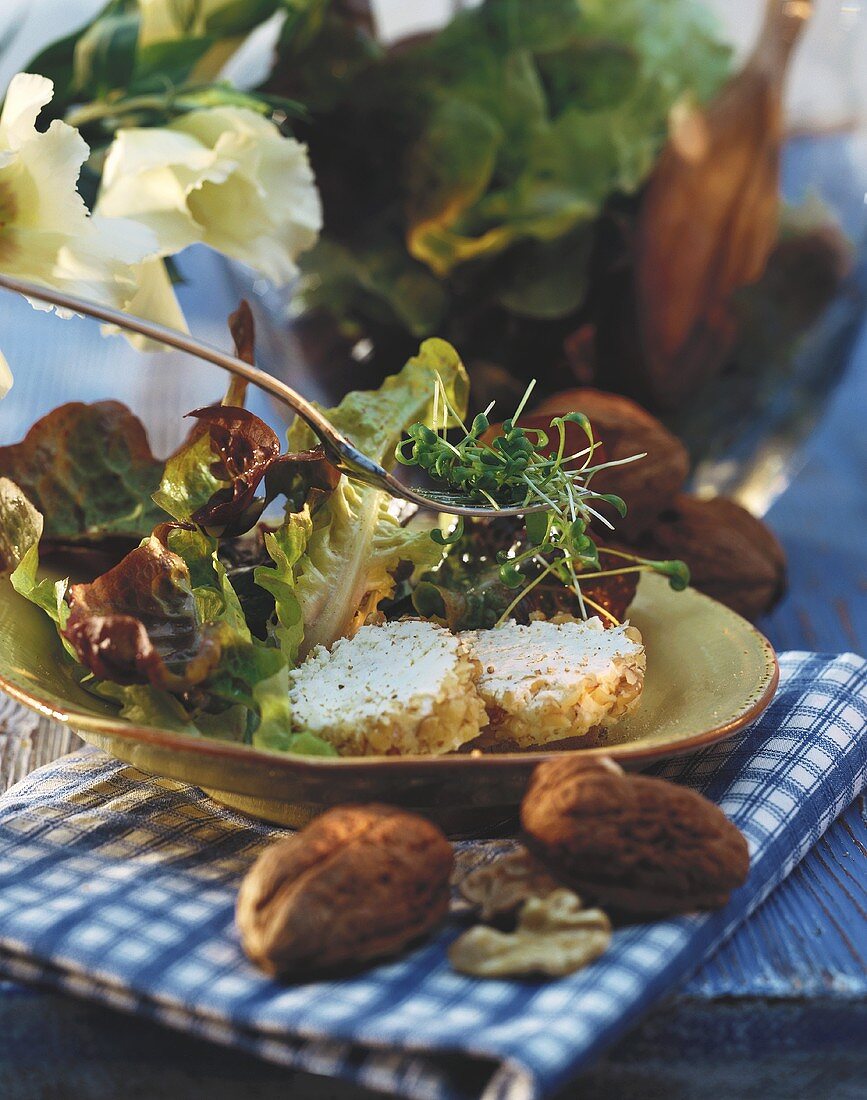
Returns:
(731,555)
(648,485)
(638,844)
(359,883)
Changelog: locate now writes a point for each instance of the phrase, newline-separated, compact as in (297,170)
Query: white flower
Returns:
(221,176)
(47,235)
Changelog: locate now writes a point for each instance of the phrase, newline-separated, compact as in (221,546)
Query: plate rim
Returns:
(227,751)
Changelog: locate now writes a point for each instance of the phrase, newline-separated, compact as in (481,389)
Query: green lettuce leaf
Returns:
(257,677)
(212,479)
(678,43)
(241,557)
(286,546)
(49,595)
(449,170)
(376,420)
(233,723)
(20,525)
(538,127)
(246,694)
(144,705)
(353,544)
(163,634)
(547,279)
(354,551)
(215,597)
(383,282)
(188,481)
(21,528)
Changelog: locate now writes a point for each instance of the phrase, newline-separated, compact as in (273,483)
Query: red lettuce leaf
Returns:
(244,447)
(137,623)
(246,451)
(89,470)
(213,477)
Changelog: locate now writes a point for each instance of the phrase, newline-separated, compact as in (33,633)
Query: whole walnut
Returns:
(359,883)
(648,485)
(731,555)
(635,843)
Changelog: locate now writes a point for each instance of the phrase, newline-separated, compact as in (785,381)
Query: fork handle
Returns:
(338,447)
(340,450)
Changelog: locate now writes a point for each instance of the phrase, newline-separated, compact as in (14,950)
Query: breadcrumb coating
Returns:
(401,688)
(547,681)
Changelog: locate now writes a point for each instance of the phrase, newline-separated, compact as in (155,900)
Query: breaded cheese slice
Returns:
(546,681)
(399,688)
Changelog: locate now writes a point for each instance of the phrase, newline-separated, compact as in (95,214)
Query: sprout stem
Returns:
(524,471)
(545,572)
(603,611)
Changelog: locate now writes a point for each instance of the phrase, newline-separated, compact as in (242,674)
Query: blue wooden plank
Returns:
(822,522)
(809,939)
(755,1050)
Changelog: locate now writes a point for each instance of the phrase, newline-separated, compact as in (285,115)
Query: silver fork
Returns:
(339,449)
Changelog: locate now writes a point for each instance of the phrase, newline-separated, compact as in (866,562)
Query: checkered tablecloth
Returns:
(120,887)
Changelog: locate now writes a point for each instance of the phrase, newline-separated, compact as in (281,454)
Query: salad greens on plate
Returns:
(206,605)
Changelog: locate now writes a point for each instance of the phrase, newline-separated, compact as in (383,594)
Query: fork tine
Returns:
(441,500)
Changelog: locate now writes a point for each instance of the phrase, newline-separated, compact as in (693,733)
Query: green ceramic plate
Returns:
(709,673)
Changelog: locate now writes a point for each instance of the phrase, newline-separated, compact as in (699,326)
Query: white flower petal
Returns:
(47,235)
(213,124)
(155,300)
(224,176)
(137,150)
(287,178)
(52,162)
(95,263)
(158,200)
(26,96)
(232,212)
(32,253)
(149,175)
(122,240)
(155,297)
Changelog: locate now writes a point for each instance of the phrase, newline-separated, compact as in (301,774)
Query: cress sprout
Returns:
(530,466)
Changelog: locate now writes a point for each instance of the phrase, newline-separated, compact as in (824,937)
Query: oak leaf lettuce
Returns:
(89,470)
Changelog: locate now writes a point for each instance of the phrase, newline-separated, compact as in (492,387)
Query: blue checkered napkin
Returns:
(121,888)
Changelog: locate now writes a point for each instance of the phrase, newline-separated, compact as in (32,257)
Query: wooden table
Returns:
(782,1009)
